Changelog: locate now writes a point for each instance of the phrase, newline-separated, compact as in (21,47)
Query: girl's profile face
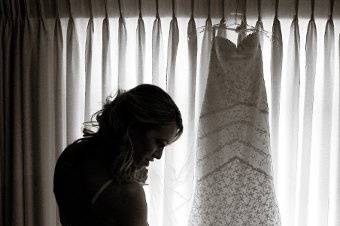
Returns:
(149,144)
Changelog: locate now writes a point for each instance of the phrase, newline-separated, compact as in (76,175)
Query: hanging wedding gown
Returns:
(233,174)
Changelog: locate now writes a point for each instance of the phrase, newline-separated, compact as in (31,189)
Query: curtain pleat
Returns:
(60,90)
(336,201)
(88,68)
(169,217)
(308,105)
(276,73)
(72,83)
(28,159)
(107,78)
(2,126)
(157,54)
(289,148)
(45,110)
(34,84)
(323,152)
(204,64)
(122,39)
(140,58)
(60,87)
(188,169)
(17,166)
(8,127)
(2,11)
(156,171)
(171,57)
(192,53)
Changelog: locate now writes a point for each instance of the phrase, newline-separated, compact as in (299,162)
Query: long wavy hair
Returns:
(145,105)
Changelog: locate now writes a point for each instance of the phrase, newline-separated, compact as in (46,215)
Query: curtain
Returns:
(310,67)
(59,60)
(290,129)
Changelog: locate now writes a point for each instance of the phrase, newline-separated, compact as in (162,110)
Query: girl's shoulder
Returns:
(79,150)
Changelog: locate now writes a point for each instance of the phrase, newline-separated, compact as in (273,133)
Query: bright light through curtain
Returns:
(55,73)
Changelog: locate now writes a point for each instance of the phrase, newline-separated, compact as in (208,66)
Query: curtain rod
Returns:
(80,8)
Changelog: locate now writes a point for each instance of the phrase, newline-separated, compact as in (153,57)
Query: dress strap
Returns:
(102,188)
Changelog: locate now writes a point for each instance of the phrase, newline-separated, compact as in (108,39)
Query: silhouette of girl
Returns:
(98,179)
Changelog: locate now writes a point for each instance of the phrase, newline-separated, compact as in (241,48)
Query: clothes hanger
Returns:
(242,26)
(235,26)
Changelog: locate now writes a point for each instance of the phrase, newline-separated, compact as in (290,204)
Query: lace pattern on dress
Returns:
(233,172)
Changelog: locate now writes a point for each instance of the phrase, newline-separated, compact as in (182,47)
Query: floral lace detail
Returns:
(233,171)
